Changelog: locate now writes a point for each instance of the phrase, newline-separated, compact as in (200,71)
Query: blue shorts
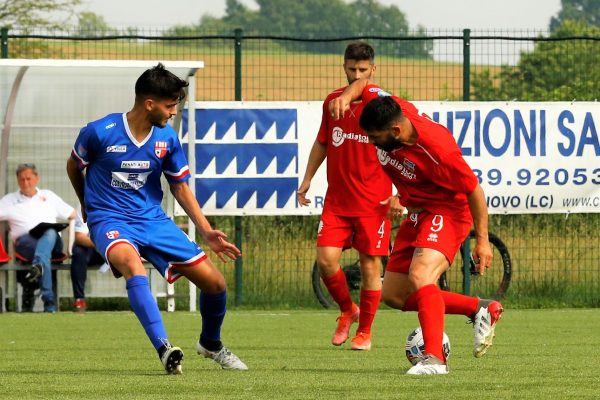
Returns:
(160,242)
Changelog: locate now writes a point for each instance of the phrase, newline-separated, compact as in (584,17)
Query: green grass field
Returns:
(537,354)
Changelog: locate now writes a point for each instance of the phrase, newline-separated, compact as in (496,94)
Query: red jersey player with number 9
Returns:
(444,199)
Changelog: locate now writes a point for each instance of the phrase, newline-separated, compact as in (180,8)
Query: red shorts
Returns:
(426,230)
(368,235)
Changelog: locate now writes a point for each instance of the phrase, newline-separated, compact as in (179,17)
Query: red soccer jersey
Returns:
(431,174)
(356,181)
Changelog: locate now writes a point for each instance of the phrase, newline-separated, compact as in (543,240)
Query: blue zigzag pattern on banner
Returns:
(244,153)
(245,188)
(243,118)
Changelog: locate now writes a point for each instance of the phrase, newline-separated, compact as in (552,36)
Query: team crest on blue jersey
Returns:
(160,148)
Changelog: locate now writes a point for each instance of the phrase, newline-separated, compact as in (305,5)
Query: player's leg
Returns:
(40,252)
(396,289)
(213,307)
(124,257)
(79,258)
(372,240)
(174,254)
(328,261)
(370,296)
(117,242)
(484,314)
(426,267)
(410,284)
(398,292)
(396,286)
(334,279)
(333,236)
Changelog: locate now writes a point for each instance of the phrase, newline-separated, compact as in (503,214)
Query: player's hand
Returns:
(218,243)
(396,209)
(301,194)
(338,106)
(482,255)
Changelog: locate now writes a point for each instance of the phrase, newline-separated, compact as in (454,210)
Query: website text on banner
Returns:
(529,157)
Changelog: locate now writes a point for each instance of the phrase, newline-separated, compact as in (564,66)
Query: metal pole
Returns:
(191,140)
(4,45)
(466,248)
(466,64)
(238,219)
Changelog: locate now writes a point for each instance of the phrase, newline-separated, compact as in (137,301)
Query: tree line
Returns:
(558,68)
(317,19)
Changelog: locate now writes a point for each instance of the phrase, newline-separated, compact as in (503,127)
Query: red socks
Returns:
(460,304)
(369,302)
(338,289)
(431,317)
(432,303)
(455,303)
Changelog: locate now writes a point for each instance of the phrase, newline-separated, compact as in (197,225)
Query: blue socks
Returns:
(212,310)
(145,308)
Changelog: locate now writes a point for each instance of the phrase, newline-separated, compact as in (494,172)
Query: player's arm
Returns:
(315,159)
(78,182)
(215,239)
(341,104)
(482,253)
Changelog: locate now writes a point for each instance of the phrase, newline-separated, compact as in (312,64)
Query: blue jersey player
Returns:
(124,156)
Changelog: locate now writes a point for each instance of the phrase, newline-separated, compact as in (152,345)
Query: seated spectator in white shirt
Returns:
(24,210)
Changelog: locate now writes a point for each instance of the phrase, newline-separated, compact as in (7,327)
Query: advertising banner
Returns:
(529,157)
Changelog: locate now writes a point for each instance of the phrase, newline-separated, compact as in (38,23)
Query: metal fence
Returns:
(556,258)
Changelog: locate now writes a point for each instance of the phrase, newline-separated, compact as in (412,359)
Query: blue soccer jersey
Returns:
(123,175)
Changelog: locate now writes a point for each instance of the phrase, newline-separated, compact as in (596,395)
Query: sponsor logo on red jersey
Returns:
(161,148)
(338,137)
(113,235)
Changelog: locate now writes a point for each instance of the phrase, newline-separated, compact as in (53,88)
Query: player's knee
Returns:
(215,285)
(326,261)
(327,267)
(418,279)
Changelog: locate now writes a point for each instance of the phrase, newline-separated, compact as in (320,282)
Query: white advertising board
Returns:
(529,157)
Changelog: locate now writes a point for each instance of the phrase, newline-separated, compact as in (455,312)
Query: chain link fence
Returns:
(555,258)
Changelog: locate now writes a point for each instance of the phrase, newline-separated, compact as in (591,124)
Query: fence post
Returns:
(466,64)
(466,248)
(238,219)
(4,42)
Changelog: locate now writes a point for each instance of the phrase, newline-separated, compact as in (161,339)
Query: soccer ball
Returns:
(415,346)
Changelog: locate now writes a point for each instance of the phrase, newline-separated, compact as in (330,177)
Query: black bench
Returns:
(157,283)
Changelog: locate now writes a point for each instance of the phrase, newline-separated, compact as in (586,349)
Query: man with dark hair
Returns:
(24,210)
(444,199)
(120,194)
(352,215)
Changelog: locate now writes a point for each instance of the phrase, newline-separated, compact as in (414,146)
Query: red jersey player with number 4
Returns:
(444,199)
(353,214)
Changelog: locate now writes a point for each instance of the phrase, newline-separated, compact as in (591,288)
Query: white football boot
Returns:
(484,324)
(225,358)
(429,365)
